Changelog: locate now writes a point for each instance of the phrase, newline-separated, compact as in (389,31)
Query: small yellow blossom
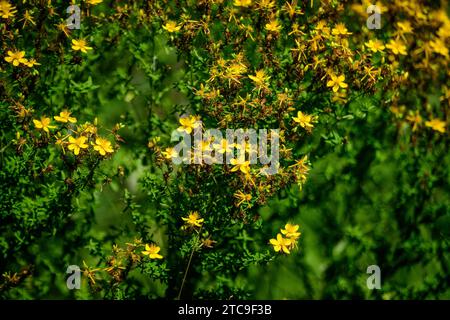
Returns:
(375,46)
(404,27)
(260,79)
(193,220)
(439,46)
(103,146)
(242,3)
(7,10)
(16,57)
(27,17)
(416,119)
(243,197)
(208,243)
(273,26)
(304,120)
(171,26)
(243,166)
(63,27)
(80,45)
(281,244)
(152,251)
(337,82)
(302,169)
(188,124)
(31,63)
(290,231)
(397,47)
(43,123)
(76,144)
(436,124)
(340,29)
(64,116)
(88,128)
(93,2)
(170,153)
(60,141)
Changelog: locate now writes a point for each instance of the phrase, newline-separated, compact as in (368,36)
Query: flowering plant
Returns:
(87,170)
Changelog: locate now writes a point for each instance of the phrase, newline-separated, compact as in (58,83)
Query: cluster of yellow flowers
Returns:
(77,137)
(18,57)
(122,258)
(410,51)
(287,239)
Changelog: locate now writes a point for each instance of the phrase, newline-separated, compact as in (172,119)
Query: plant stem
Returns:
(189,264)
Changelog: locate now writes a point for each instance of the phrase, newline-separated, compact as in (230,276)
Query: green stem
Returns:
(189,264)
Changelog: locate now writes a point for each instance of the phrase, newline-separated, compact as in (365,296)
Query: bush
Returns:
(90,125)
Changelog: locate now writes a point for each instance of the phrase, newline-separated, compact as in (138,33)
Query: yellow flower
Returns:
(60,141)
(169,153)
(242,3)
(88,128)
(337,82)
(260,78)
(77,144)
(416,119)
(16,57)
(31,63)
(93,2)
(304,120)
(223,146)
(290,231)
(234,71)
(103,146)
(340,29)
(193,220)
(281,244)
(375,46)
(397,47)
(273,26)
(243,166)
(208,243)
(171,26)
(80,45)
(188,124)
(302,169)
(7,10)
(43,124)
(243,197)
(439,46)
(64,116)
(27,17)
(63,27)
(152,251)
(436,124)
(405,27)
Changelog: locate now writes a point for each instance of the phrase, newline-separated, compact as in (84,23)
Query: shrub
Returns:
(86,156)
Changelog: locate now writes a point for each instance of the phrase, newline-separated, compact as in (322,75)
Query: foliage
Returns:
(86,170)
